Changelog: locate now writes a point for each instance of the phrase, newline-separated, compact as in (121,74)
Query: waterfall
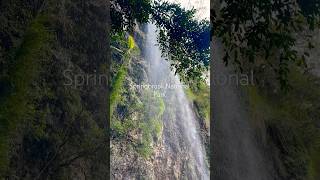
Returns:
(236,152)
(181,138)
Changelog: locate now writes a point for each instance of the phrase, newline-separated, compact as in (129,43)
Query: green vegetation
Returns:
(149,109)
(131,43)
(48,128)
(263,33)
(118,81)
(117,87)
(184,40)
(140,121)
(25,67)
(152,125)
(145,146)
(289,121)
(200,96)
(125,14)
(149,124)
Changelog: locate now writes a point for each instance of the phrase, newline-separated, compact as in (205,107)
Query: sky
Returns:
(203,6)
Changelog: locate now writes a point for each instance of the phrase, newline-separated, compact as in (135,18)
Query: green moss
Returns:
(122,128)
(149,107)
(118,127)
(121,72)
(131,43)
(145,147)
(24,69)
(156,104)
(152,125)
(117,86)
(158,127)
(124,48)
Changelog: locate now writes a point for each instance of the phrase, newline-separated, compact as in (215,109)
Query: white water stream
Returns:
(181,137)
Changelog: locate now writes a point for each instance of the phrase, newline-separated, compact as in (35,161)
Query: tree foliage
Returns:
(125,13)
(183,39)
(265,30)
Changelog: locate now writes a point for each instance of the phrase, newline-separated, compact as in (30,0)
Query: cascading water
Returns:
(236,153)
(184,152)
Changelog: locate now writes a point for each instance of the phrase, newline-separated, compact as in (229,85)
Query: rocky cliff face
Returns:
(53,103)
